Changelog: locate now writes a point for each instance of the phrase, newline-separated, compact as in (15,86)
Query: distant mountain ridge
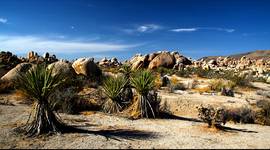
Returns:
(258,54)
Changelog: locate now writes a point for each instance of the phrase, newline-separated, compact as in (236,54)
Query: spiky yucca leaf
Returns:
(143,82)
(39,83)
(113,88)
(147,103)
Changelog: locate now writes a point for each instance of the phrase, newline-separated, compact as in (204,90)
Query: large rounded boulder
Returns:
(139,62)
(86,67)
(13,74)
(162,60)
(62,67)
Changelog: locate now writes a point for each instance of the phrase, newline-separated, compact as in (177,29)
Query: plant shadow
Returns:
(229,129)
(165,115)
(116,134)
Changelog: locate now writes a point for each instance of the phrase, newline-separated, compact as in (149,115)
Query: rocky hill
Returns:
(258,54)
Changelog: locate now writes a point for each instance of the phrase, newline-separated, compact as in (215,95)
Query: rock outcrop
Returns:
(7,62)
(158,59)
(33,57)
(13,74)
(113,62)
(63,67)
(164,59)
(86,67)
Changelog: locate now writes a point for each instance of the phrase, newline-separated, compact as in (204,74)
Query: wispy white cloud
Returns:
(220,29)
(146,28)
(23,44)
(3,20)
(202,28)
(184,30)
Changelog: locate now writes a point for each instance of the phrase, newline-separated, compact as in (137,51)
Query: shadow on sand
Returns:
(164,115)
(229,129)
(116,134)
(222,128)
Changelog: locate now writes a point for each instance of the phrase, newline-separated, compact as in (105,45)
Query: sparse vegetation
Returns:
(127,90)
(262,113)
(218,85)
(164,71)
(65,100)
(214,117)
(39,83)
(113,88)
(147,102)
(243,114)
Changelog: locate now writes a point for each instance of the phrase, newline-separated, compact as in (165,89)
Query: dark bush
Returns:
(214,117)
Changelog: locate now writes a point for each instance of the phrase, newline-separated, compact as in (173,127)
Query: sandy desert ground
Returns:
(99,130)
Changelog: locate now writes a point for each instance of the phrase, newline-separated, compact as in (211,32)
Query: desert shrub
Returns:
(183,73)
(65,100)
(238,80)
(158,82)
(112,69)
(177,86)
(127,90)
(214,117)
(242,81)
(219,84)
(259,79)
(113,88)
(6,86)
(164,71)
(81,82)
(243,114)
(147,102)
(39,83)
(262,113)
(187,72)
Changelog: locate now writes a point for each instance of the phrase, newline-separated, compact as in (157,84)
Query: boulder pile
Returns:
(7,62)
(113,62)
(33,57)
(159,59)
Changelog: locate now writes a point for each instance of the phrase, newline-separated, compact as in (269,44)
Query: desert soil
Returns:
(101,130)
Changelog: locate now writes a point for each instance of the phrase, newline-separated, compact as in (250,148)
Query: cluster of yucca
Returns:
(119,92)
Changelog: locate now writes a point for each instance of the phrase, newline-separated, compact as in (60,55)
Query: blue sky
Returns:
(122,28)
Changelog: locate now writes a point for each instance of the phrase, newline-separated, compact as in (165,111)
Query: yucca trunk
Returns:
(44,121)
(111,106)
(146,106)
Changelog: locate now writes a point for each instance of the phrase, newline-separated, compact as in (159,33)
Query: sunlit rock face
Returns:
(86,67)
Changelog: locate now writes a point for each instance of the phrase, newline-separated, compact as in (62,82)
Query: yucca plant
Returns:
(147,102)
(126,70)
(39,83)
(113,88)
(127,91)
